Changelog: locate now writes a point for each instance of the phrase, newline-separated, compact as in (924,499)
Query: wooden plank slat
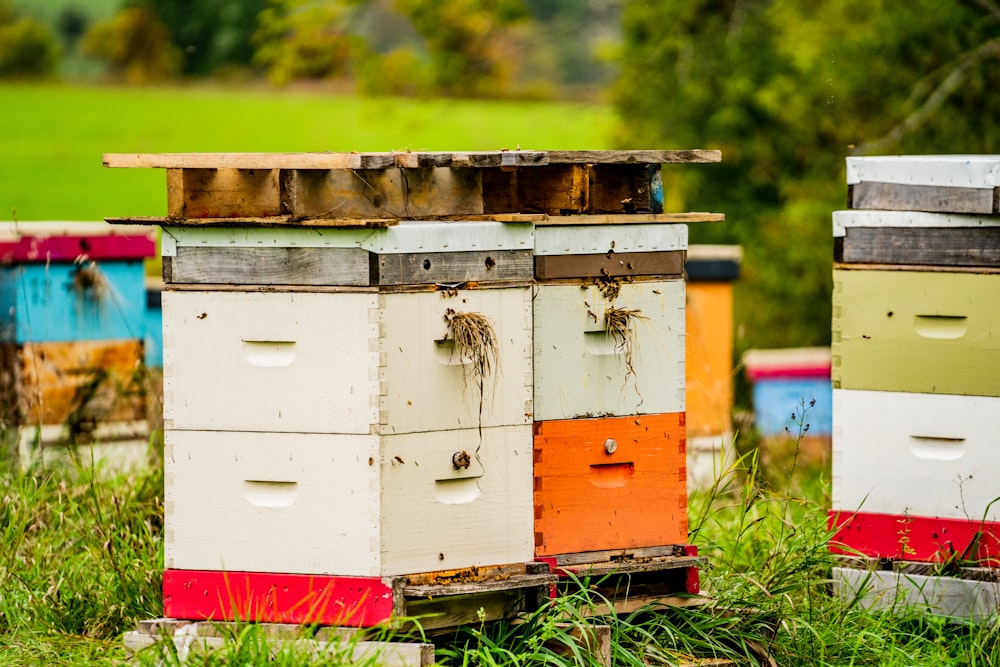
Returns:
(224,193)
(954,246)
(268,266)
(931,198)
(403,159)
(669,263)
(268,221)
(383,193)
(607,555)
(638,218)
(487,266)
(500,584)
(634,156)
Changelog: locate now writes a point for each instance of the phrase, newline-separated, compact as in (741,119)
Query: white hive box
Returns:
(362,362)
(846,220)
(358,505)
(930,455)
(582,371)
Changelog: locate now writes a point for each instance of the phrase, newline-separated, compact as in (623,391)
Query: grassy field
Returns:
(54,135)
(80,563)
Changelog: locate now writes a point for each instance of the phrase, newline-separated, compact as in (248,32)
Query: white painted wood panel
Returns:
(960,599)
(967,171)
(928,455)
(587,239)
(437,517)
(428,385)
(581,371)
(283,362)
(406,237)
(906,219)
(271,502)
(354,505)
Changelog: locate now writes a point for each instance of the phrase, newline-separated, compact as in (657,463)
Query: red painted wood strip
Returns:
(204,595)
(817,371)
(693,575)
(915,538)
(69,248)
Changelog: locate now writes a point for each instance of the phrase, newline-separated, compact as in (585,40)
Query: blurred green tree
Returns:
(28,50)
(135,46)
(786,89)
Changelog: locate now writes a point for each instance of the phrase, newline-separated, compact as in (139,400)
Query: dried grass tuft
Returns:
(620,324)
(89,282)
(475,340)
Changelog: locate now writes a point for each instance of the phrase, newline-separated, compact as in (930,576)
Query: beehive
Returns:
(314,391)
(71,330)
(914,356)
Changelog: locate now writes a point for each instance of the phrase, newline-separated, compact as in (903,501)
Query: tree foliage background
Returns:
(786,89)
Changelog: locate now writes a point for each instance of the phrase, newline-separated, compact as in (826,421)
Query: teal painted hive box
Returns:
(72,282)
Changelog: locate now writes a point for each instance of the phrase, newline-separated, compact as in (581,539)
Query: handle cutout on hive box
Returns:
(265,493)
(941,326)
(599,343)
(457,491)
(611,475)
(447,354)
(932,448)
(269,353)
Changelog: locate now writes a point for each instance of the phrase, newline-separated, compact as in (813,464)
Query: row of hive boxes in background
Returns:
(356,396)
(72,323)
(916,359)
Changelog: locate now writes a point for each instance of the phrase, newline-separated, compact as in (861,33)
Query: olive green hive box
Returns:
(916,331)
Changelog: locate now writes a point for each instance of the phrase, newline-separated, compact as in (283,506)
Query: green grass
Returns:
(54,135)
(80,563)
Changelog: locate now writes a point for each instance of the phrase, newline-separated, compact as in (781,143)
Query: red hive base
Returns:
(276,598)
(915,538)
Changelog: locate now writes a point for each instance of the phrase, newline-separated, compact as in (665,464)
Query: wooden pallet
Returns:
(377,189)
(629,579)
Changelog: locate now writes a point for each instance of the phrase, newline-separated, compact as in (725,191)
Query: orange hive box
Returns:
(610,483)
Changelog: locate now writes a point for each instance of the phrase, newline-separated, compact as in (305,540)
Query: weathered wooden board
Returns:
(268,222)
(80,384)
(971,171)
(585,239)
(484,267)
(613,483)
(932,198)
(268,266)
(953,246)
(844,220)
(223,193)
(628,219)
(924,454)
(916,331)
(399,504)
(382,193)
(67,301)
(669,263)
(406,237)
(406,159)
(959,599)
(582,370)
(929,539)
